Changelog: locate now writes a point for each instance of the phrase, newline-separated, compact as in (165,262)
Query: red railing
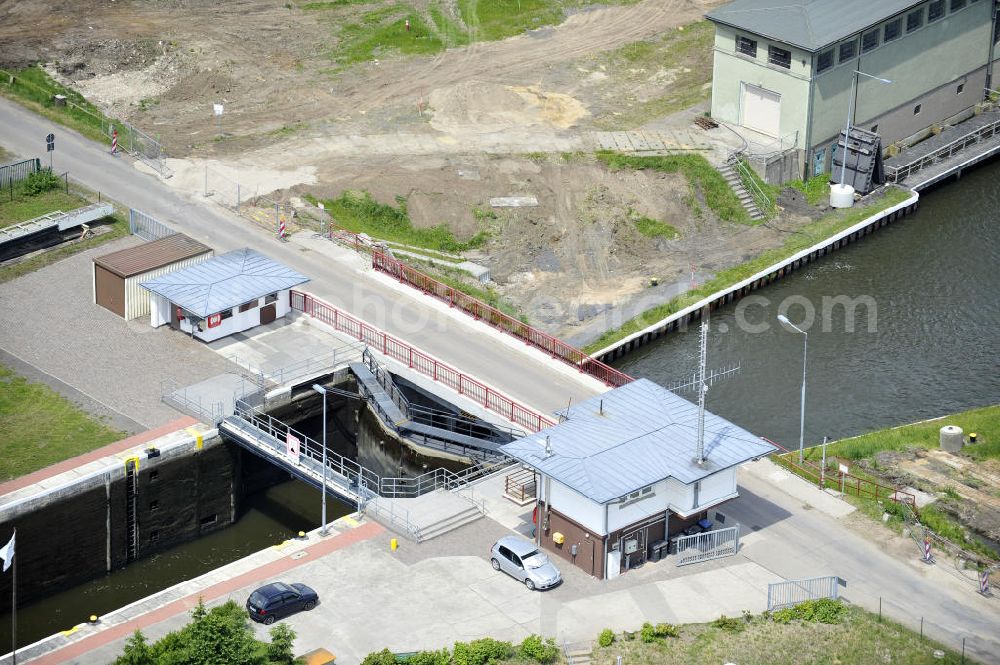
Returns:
(851,484)
(499,320)
(415,359)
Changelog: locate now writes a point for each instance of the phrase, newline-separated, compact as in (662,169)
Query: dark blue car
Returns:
(276,600)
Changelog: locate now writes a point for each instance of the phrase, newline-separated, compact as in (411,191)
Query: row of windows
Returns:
(775,54)
(890,31)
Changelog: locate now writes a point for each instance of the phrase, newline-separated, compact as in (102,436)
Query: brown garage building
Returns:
(117,275)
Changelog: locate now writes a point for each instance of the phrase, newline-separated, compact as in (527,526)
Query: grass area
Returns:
(34,89)
(807,236)
(686,54)
(816,189)
(701,176)
(498,19)
(858,638)
(20,207)
(654,228)
(451,32)
(360,213)
(119,229)
(384,30)
(39,427)
(985,422)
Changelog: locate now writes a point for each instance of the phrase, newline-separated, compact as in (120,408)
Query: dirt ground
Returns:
(573,257)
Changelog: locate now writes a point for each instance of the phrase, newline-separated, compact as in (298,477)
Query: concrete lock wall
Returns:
(75,535)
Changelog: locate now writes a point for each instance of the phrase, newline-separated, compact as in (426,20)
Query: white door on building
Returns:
(761,110)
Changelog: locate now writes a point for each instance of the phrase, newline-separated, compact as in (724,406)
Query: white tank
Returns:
(952,438)
(841,196)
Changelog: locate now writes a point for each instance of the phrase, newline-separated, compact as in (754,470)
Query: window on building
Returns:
(247,306)
(268,299)
(916,110)
(746,46)
(915,20)
(847,51)
(869,40)
(632,497)
(226,314)
(957,4)
(935,10)
(824,61)
(960,89)
(779,56)
(892,30)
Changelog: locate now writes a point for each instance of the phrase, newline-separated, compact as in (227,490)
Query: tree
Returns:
(136,652)
(282,642)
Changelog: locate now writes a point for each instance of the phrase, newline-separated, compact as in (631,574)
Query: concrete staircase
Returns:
(427,516)
(728,172)
(578,653)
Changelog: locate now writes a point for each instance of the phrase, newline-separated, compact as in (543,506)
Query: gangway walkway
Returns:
(938,157)
(58,220)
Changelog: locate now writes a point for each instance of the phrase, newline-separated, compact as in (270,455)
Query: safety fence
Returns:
(708,545)
(142,225)
(847,483)
(482,312)
(792,592)
(419,361)
(247,201)
(899,173)
(18,171)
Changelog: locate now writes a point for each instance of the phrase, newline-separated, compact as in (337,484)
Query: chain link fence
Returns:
(247,201)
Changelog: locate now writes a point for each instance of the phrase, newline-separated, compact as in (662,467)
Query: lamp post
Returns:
(322,391)
(802,408)
(843,189)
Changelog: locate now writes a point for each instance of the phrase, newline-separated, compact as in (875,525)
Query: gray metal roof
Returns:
(808,24)
(224,282)
(646,434)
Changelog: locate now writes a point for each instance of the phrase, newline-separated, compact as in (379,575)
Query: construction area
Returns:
(484,150)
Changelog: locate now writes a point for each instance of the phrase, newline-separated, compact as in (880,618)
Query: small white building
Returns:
(227,294)
(620,474)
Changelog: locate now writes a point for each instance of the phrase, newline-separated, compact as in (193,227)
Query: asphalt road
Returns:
(469,346)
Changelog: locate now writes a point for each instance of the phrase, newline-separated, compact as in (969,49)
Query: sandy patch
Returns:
(223,176)
(481,107)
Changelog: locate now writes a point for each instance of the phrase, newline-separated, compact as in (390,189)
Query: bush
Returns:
(383,657)
(442,657)
(39,182)
(281,650)
(729,624)
(648,633)
(606,638)
(482,652)
(542,651)
(824,610)
(667,630)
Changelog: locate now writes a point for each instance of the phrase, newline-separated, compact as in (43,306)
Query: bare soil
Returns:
(566,263)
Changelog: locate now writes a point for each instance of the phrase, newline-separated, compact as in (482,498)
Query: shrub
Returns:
(39,182)
(606,638)
(542,651)
(281,650)
(482,652)
(383,657)
(442,657)
(667,630)
(729,624)
(824,610)
(647,633)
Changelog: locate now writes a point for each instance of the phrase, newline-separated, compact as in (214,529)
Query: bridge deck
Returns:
(956,147)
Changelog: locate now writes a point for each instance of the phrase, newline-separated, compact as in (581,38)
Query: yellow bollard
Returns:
(393,544)
(302,534)
(93,618)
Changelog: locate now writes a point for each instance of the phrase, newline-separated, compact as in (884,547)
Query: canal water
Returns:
(932,282)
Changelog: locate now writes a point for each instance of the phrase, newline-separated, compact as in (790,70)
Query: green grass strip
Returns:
(807,236)
(39,427)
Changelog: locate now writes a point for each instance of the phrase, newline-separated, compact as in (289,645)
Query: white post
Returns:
(322,391)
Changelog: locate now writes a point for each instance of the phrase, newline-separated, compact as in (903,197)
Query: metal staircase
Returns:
(55,220)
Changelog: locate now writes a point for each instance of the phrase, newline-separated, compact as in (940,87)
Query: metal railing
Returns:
(306,368)
(848,483)
(792,592)
(763,202)
(210,413)
(900,173)
(419,361)
(520,485)
(482,312)
(708,545)
(18,171)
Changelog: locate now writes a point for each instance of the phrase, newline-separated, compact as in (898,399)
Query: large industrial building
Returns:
(784,70)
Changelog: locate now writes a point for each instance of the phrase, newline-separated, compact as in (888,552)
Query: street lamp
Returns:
(802,409)
(322,391)
(842,195)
